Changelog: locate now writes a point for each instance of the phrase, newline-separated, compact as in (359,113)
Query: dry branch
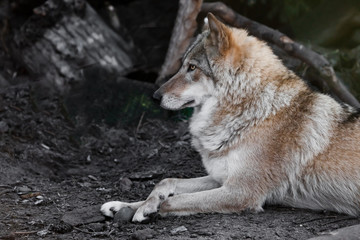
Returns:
(313,59)
(184,29)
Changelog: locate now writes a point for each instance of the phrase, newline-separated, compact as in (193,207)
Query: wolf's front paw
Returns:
(109,208)
(147,210)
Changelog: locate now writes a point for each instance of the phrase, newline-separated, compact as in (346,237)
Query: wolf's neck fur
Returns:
(241,103)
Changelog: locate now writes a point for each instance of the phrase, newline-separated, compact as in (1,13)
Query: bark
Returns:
(184,29)
(313,59)
(63,37)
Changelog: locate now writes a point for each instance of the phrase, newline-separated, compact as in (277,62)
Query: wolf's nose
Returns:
(157,95)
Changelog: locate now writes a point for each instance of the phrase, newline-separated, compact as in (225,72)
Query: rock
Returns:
(85,215)
(143,234)
(347,233)
(178,230)
(124,215)
(23,189)
(96,227)
(60,227)
(43,233)
(38,202)
(125,184)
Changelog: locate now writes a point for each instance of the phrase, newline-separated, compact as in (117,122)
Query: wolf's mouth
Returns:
(187,104)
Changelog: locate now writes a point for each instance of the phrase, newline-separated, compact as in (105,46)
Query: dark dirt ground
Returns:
(51,166)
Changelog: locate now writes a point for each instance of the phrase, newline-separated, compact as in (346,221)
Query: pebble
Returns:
(178,230)
(23,189)
(125,184)
(43,233)
(60,227)
(96,227)
(38,201)
(124,215)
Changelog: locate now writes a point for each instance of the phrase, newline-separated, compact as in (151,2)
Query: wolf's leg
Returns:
(169,187)
(109,208)
(221,200)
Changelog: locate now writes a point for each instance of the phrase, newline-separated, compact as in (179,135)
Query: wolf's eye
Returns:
(191,68)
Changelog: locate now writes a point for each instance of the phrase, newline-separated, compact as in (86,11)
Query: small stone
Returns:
(96,227)
(85,184)
(23,189)
(125,184)
(60,227)
(38,202)
(124,215)
(178,230)
(32,222)
(43,233)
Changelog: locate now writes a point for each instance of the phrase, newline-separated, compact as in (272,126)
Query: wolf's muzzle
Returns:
(157,95)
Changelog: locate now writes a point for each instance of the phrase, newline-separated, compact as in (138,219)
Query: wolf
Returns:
(263,135)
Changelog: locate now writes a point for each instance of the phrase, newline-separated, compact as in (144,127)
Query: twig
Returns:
(4,218)
(16,108)
(315,219)
(139,124)
(83,231)
(313,59)
(5,191)
(13,234)
(28,232)
(340,220)
(49,132)
(30,195)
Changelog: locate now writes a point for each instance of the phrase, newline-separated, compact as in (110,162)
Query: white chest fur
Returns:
(207,138)
(217,168)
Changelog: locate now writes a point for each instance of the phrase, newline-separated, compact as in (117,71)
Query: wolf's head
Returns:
(222,62)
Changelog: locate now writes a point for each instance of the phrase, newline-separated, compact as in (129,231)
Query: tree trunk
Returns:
(63,37)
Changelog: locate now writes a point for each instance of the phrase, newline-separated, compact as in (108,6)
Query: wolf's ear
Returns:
(206,24)
(218,33)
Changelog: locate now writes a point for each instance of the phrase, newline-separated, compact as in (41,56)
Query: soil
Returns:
(55,173)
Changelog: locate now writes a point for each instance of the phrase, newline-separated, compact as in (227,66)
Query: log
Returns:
(64,37)
(313,59)
(184,29)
